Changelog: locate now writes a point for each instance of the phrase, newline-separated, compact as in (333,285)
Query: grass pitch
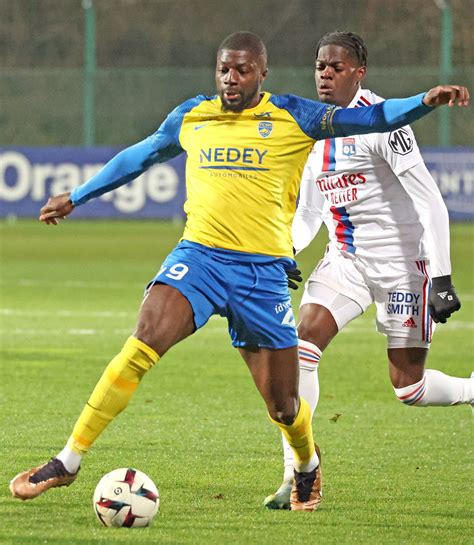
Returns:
(197,426)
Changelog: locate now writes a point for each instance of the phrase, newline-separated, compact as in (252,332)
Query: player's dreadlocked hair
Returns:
(244,41)
(348,40)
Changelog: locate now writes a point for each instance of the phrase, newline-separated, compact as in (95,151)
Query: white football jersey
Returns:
(353,183)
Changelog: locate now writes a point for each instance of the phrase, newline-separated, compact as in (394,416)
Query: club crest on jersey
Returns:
(348,146)
(265,128)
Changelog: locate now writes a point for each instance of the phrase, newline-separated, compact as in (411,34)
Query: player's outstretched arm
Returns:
(57,208)
(125,166)
(392,113)
(447,94)
(121,169)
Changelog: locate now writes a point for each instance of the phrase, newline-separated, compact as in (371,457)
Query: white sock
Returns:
(309,356)
(436,388)
(309,466)
(71,460)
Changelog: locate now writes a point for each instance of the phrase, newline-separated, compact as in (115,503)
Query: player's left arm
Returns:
(392,113)
(420,186)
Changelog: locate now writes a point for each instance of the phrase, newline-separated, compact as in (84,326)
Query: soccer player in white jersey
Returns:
(389,243)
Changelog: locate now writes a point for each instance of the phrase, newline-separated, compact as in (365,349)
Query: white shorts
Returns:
(399,290)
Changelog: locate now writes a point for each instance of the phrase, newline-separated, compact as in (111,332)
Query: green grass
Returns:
(69,296)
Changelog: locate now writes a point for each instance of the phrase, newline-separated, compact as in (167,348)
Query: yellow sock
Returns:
(112,393)
(300,434)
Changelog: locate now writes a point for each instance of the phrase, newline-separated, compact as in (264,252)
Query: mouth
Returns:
(231,96)
(323,89)
(325,94)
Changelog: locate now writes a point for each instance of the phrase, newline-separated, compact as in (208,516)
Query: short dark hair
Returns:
(244,41)
(354,44)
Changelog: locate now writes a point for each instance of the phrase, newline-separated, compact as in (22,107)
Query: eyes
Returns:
(242,70)
(320,67)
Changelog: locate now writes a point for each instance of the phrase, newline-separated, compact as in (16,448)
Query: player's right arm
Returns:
(124,167)
(121,169)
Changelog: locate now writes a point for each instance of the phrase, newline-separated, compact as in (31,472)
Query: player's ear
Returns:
(361,73)
(263,75)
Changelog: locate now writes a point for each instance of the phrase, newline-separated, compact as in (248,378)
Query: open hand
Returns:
(447,94)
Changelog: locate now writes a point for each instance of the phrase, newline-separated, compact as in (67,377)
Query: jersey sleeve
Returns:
(428,201)
(399,149)
(309,213)
(127,165)
(320,121)
(385,116)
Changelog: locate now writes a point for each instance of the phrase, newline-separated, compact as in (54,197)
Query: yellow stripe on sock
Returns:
(79,445)
(119,381)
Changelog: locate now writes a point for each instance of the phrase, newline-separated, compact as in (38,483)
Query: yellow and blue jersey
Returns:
(243,169)
(242,175)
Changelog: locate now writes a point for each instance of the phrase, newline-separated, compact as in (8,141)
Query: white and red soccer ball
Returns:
(127,498)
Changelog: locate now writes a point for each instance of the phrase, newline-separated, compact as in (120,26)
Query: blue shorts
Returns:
(250,290)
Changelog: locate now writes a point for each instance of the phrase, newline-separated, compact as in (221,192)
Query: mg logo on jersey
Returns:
(265,128)
(401,141)
(348,146)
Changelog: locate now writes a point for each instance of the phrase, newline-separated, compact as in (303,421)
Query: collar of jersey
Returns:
(359,94)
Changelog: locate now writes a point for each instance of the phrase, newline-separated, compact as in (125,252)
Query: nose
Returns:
(230,77)
(327,73)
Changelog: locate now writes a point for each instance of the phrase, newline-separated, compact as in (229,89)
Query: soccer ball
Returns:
(126,497)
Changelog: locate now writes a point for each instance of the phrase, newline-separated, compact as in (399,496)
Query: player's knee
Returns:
(146,333)
(306,332)
(311,333)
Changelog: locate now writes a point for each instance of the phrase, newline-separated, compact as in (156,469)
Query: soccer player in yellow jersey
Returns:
(245,153)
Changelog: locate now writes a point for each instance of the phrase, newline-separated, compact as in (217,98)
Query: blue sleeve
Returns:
(382,117)
(133,161)
(320,121)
